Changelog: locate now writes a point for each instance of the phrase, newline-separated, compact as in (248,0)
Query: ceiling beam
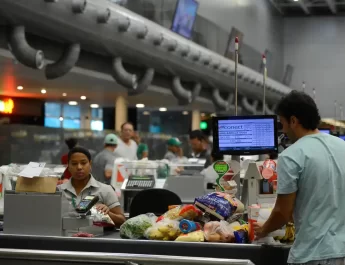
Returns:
(332,6)
(275,4)
(304,6)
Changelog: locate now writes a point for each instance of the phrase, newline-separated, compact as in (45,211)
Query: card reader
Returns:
(86,204)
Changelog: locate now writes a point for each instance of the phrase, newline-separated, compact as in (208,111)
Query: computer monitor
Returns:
(245,135)
(184,18)
(326,131)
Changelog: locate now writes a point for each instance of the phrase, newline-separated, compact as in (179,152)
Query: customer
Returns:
(143,149)
(311,186)
(199,144)
(71,143)
(174,149)
(126,147)
(104,161)
(83,184)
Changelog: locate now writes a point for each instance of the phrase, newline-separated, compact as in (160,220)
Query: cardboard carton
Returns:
(37,184)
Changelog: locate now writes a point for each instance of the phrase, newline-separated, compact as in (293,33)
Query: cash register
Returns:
(140,182)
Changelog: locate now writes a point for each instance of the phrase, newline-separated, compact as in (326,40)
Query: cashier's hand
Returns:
(258,231)
(102,208)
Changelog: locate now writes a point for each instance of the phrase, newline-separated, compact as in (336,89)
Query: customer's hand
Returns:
(258,231)
(102,208)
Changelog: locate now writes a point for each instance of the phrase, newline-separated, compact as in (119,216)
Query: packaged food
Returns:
(187,226)
(269,170)
(101,219)
(241,234)
(196,236)
(220,205)
(167,230)
(82,234)
(219,232)
(189,212)
(135,227)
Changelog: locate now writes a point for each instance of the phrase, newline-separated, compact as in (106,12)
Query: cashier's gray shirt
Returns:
(170,156)
(104,160)
(106,193)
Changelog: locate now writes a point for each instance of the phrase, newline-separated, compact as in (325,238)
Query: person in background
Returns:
(83,184)
(311,186)
(126,147)
(143,149)
(71,143)
(174,149)
(104,161)
(199,145)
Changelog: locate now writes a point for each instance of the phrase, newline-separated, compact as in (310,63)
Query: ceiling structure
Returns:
(309,7)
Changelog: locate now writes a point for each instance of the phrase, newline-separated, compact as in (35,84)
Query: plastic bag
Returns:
(197,236)
(167,230)
(219,232)
(100,219)
(135,227)
(220,205)
(189,212)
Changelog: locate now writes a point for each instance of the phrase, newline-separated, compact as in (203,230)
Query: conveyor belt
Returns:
(259,255)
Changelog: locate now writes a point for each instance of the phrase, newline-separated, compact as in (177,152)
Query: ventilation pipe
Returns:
(103,16)
(195,93)
(121,75)
(22,51)
(218,101)
(252,109)
(123,24)
(141,31)
(157,39)
(66,62)
(144,83)
(269,111)
(79,6)
(195,55)
(180,92)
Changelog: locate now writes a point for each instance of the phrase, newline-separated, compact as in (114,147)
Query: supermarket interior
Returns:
(147,131)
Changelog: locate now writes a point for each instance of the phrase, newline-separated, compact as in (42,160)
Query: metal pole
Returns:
(236,83)
(341,112)
(303,86)
(335,114)
(264,85)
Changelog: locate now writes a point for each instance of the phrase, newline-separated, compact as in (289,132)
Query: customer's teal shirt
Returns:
(314,167)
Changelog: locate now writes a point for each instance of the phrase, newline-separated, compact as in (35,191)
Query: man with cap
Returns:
(103,163)
(174,146)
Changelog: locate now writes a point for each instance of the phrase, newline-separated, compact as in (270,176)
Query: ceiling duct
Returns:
(218,101)
(103,16)
(269,111)
(22,51)
(66,62)
(121,75)
(195,93)
(143,83)
(251,108)
(180,92)
(79,6)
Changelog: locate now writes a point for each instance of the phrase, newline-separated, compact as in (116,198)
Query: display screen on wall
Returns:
(21,106)
(184,18)
(230,48)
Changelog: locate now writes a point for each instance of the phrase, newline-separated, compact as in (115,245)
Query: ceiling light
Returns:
(73,103)
(146,113)
(43,91)
(295,0)
(83,97)
(94,106)
(140,106)
(64,94)
(162,109)
(61,118)
(20,87)
(185,112)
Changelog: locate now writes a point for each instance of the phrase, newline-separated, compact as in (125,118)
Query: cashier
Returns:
(199,144)
(173,146)
(82,184)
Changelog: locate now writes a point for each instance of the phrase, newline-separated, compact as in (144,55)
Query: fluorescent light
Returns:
(83,97)
(64,94)
(61,118)
(140,106)
(43,91)
(20,87)
(185,112)
(73,103)
(146,113)
(162,109)
(94,106)
(295,0)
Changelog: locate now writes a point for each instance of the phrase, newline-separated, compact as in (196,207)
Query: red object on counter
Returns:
(269,170)
(64,161)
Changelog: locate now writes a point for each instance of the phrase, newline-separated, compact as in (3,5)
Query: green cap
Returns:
(174,142)
(111,139)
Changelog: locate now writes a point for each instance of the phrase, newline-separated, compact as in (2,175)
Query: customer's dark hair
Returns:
(79,149)
(302,106)
(197,134)
(71,143)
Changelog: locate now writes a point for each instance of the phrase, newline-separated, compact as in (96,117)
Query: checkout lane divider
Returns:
(110,258)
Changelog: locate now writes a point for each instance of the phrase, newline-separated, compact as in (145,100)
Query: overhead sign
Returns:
(6,106)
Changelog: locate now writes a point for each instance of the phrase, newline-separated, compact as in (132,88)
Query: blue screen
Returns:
(184,17)
(71,124)
(342,137)
(326,131)
(52,122)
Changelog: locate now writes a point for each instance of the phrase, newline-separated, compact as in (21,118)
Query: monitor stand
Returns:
(237,178)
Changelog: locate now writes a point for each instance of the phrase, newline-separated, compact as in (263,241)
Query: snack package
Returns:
(197,236)
(187,226)
(220,205)
(241,234)
(167,230)
(219,232)
(100,219)
(81,234)
(135,227)
(189,212)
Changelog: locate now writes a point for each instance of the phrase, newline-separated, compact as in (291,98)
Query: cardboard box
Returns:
(37,184)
